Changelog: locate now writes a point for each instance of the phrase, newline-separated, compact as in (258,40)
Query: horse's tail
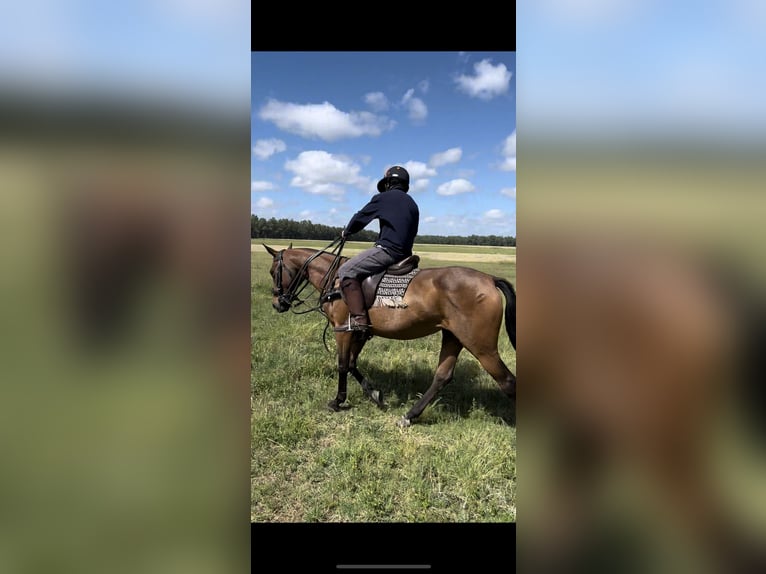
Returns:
(745,304)
(510,307)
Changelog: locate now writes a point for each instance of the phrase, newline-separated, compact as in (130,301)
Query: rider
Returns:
(399,216)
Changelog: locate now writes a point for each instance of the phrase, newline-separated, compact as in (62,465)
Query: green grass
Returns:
(456,463)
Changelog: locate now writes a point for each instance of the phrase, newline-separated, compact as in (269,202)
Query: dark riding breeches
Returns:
(366,263)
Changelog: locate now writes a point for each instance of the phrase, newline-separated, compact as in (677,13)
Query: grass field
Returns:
(457,463)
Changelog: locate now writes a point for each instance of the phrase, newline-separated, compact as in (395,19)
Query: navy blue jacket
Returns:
(399,216)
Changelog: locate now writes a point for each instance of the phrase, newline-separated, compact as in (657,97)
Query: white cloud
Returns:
(419,185)
(509,147)
(509,164)
(259,186)
(494,214)
(322,173)
(489,81)
(264,149)
(419,174)
(509,153)
(416,108)
(264,203)
(429,219)
(455,187)
(305,214)
(323,121)
(452,155)
(377,101)
(423,86)
(509,191)
(417,170)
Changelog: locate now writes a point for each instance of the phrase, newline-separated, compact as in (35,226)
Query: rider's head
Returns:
(396,178)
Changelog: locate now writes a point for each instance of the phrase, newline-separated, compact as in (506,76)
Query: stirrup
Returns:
(352,325)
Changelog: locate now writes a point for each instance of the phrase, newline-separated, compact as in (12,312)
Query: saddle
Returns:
(371,283)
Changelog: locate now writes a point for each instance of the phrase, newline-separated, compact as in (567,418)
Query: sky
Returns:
(662,68)
(188,51)
(326,125)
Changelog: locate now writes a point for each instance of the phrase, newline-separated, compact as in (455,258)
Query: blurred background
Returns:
(641,143)
(124,153)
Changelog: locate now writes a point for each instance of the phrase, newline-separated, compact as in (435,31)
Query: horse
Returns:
(634,350)
(465,304)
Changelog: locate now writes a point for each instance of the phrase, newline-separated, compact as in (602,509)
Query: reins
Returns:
(291,295)
(300,281)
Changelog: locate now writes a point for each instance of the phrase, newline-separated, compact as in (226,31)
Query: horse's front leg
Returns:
(375,395)
(343,343)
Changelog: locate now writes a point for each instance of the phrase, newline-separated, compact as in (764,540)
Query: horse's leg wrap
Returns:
(343,360)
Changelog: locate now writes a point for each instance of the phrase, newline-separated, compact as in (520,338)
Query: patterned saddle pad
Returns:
(391,290)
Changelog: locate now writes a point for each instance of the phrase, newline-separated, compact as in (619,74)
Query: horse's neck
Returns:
(317,269)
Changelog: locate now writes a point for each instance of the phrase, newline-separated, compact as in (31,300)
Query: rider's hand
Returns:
(343,234)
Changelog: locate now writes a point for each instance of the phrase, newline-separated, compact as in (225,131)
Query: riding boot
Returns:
(351,290)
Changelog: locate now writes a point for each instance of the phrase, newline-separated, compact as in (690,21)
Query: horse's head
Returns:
(282,275)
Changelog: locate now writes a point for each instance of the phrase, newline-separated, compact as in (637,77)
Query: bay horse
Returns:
(463,303)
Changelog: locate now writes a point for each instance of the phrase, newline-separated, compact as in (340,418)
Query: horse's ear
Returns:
(290,246)
(270,250)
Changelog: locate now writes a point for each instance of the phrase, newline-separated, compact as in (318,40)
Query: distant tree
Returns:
(289,229)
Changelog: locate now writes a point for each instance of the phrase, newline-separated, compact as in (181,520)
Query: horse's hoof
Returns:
(333,406)
(403,422)
(377,398)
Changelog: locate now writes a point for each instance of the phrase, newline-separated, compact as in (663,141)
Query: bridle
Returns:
(300,280)
(285,298)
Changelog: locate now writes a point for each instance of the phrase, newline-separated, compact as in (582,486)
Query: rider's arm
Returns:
(363,217)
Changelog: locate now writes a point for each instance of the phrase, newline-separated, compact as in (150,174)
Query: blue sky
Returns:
(194,52)
(326,125)
(673,68)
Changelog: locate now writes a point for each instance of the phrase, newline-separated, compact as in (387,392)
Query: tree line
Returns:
(261,228)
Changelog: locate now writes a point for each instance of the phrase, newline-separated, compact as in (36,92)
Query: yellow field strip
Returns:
(438,256)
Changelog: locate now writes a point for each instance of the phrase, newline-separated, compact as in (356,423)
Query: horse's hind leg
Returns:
(356,348)
(495,366)
(451,348)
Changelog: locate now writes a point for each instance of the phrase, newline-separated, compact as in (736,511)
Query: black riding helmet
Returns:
(395,175)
